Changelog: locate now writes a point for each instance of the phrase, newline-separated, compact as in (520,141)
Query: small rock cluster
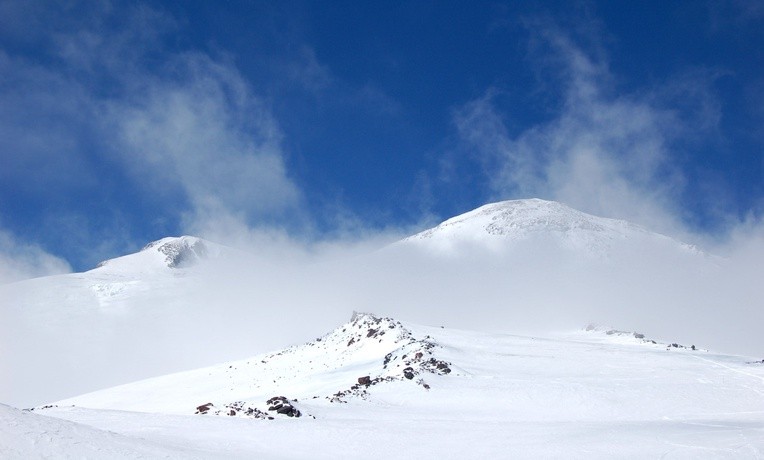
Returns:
(276,405)
(640,336)
(282,405)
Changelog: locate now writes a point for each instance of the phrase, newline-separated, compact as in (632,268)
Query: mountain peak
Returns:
(518,217)
(503,225)
(182,251)
(170,252)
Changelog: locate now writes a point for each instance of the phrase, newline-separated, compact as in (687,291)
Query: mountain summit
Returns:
(505,224)
(170,252)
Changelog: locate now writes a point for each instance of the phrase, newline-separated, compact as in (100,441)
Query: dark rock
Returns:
(371,332)
(203,408)
(366,380)
(408,373)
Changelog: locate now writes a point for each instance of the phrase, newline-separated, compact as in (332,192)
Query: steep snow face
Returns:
(501,225)
(170,252)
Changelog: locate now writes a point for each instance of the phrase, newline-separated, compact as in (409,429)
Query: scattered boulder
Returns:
(366,380)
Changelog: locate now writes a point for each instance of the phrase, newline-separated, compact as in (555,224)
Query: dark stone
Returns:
(366,380)
(351,341)
(408,373)
(203,408)
(371,332)
(232,413)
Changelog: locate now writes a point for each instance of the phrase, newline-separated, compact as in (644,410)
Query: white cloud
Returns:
(108,99)
(207,134)
(604,151)
(20,260)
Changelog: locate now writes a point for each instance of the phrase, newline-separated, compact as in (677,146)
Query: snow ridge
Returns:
(171,252)
(181,252)
(361,344)
(347,363)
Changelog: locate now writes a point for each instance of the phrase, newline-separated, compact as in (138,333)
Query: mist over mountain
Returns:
(525,266)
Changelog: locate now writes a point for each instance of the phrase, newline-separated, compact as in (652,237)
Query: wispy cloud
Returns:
(207,134)
(605,151)
(20,260)
(109,104)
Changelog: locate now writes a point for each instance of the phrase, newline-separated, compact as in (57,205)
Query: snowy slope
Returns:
(26,435)
(158,256)
(76,325)
(374,350)
(589,393)
(503,225)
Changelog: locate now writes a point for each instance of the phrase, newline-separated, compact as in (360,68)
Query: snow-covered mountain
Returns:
(165,309)
(67,326)
(507,225)
(390,389)
(378,386)
(172,252)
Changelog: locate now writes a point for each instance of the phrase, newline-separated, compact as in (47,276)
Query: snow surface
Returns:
(585,394)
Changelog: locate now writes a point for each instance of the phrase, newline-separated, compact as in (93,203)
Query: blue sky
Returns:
(123,122)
